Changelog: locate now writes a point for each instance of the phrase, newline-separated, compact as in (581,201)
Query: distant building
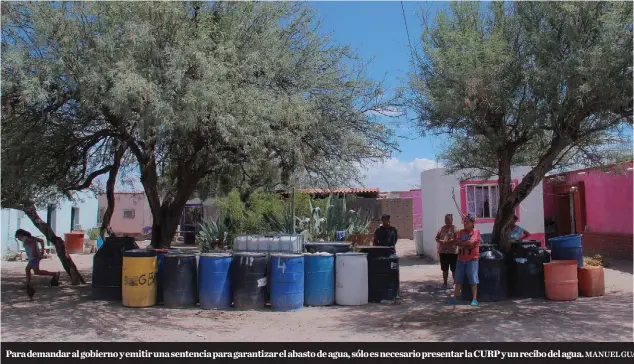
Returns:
(64,218)
(132,215)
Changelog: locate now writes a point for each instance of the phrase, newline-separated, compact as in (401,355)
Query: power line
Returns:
(411,49)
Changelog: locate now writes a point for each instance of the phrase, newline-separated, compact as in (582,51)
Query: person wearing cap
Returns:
(517,232)
(468,241)
(447,250)
(386,234)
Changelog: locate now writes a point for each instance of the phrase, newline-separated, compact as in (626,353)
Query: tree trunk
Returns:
(163,232)
(505,213)
(110,186)
(533,178)
(60,246)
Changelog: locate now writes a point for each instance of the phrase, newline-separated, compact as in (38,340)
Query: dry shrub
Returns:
(595,261)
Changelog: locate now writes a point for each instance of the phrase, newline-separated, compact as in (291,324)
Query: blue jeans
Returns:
(467,272)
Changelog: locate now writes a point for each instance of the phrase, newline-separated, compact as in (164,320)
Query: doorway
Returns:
(570,209)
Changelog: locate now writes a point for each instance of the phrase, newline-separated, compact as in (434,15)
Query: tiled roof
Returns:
(319,191)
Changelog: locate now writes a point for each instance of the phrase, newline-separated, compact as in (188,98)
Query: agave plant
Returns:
(212,234)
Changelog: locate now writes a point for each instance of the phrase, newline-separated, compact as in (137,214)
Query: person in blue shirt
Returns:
(517,232)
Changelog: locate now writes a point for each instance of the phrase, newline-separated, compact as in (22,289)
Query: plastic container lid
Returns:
(139,253)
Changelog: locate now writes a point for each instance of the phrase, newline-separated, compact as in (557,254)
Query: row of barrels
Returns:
(250,280)
(529,271)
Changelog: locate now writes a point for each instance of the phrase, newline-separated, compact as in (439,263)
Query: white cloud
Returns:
(395,175)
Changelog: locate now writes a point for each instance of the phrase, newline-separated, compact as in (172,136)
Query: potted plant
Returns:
(90,244)
(591,278)
(212,235)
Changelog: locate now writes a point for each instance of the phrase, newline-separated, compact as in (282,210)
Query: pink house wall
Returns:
(128,201)
(608,199)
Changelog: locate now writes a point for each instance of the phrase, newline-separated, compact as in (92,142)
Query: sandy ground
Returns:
(67,313)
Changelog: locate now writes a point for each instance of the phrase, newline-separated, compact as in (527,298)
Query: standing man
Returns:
(386,234)
(448,250)
(468,241)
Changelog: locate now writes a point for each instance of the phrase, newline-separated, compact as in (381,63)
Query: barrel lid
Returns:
(179,254)
(351,254)
(286,255)
(249,254)
(139,253)
(216,255)
(336,243)
(324,254)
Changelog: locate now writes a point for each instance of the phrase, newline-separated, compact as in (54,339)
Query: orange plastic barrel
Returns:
(560,278)
(591,281)
(74,242)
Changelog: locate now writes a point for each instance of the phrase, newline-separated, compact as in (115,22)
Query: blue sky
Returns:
(376,30)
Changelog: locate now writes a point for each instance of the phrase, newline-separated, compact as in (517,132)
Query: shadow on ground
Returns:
(57,313)
(424,307)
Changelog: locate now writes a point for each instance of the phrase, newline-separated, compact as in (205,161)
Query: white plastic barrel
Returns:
(351,279)
(264,244)
(418,236)
(253,243)
(240,243)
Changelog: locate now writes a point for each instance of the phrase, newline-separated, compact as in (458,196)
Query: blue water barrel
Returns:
(567,247)
(287,282)
(319,279)
(214,282)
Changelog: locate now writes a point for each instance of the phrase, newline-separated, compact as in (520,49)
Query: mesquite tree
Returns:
(202,94)
(544,84)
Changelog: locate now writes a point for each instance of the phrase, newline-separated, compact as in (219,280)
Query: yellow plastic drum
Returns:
(139,278)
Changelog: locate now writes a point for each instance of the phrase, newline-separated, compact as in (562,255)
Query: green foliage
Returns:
(212,234)
(359,222)
(93,234)
(529,79)
(545,84)
(207,95)
(324,225)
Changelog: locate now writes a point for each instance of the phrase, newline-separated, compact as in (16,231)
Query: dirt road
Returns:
(67,313)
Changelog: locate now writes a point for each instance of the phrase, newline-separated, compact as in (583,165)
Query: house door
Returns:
(570,209)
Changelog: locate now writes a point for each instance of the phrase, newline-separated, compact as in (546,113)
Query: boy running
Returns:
(34,255)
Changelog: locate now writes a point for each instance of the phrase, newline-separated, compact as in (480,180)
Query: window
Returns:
(482,200)
(102,211)
(74,218)
(128,214)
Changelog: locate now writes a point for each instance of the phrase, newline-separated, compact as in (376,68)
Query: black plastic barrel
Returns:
(492,277)
(189,234)
(488,247)
(249,280)
(383,273)
(526,270)
(180,280)
(160,253)
(107,265)
(331,247)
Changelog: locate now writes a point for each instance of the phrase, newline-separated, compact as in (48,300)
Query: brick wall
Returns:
(610,246)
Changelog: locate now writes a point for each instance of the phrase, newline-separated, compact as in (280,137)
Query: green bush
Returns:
(93,234)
